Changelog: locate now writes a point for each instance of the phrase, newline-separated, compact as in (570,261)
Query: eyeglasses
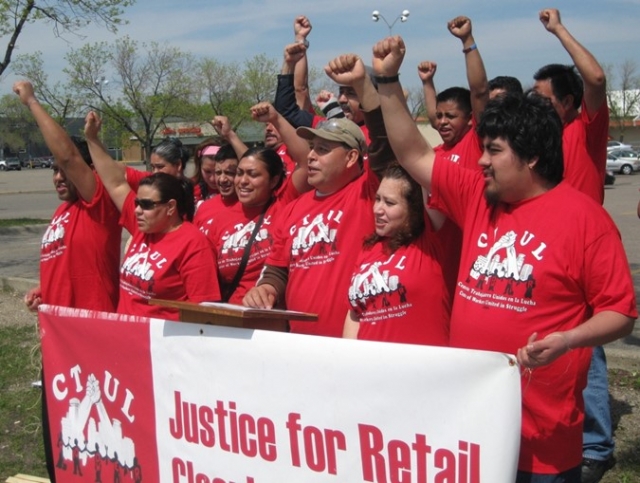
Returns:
(147,204)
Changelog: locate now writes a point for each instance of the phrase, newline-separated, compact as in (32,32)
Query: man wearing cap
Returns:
(319,234)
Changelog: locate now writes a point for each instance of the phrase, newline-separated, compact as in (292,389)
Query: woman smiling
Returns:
(397,291)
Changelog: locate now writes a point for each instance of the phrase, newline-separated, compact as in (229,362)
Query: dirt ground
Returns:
(624,376)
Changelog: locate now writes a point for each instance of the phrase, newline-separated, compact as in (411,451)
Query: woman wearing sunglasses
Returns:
(168,258)
(397,291)
(242,232)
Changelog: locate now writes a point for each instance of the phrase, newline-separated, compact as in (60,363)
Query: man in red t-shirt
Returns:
(581,102)
(543,274)
(80,250)
(318,235)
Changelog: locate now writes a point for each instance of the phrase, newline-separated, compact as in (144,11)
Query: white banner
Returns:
(242,406)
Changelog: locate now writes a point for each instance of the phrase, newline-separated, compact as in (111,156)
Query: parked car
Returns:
(617,145)
(623,161)
(13,164)
(609,178)
(43,162)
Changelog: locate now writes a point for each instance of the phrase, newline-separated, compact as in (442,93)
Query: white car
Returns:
(617,145)
(623,161)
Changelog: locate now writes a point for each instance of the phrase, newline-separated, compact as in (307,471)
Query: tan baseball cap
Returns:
(340,130)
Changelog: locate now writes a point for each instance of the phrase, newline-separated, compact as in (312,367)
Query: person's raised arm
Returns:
(426,72)
(460,27)
(301,29)
(593,76)
(223,128)
(412,150)
(110,172)
(285,99)
(67,156)
(297,147)
(349,70)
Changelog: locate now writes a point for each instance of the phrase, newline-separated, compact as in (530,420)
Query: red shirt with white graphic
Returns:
(178,265)
(289,163)
(541,265)
(466,152)
(317,240)
(231,232)
(401,297)
(208,211)
(584,148)
(80,254)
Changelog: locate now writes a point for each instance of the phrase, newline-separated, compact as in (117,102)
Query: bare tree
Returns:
(623,93)
(150,84)
(415,101)
(66,16)
(60,99)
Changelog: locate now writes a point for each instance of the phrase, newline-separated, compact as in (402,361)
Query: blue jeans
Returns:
(597,434)
(570,476)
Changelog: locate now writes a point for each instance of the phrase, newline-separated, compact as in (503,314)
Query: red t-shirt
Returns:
(80,254)
(401,297)
(178,265)
(134,176)
(289,163)
(231,232)
(209,209)
(317,239)
(542,265)
(584,147)
(465,153)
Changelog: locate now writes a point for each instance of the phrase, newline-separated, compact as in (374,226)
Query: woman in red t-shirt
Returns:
(242,233)
(204,179)
(168,257)
(397,290)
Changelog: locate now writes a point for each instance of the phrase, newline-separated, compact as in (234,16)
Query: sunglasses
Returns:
(147,204)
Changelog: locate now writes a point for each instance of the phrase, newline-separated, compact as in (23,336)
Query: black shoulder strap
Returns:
(245,257)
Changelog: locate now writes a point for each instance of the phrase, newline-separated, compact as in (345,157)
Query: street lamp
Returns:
(403,17)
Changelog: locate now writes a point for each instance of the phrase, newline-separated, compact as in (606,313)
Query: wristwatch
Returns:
(304,42)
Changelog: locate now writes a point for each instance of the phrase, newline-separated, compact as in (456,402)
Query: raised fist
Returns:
(92,125)
(264,112)
(550,18)
(427,70)
(24,89)
(294,52)
(388,55)
(301,27)
(346,70)
(221,125)
(460,27)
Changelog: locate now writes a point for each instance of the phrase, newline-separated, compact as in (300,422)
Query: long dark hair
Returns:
(412,193)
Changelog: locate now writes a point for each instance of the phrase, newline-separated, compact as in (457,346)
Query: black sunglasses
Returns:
(147,204)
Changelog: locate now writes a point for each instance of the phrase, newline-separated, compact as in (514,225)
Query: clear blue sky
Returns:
(508,33)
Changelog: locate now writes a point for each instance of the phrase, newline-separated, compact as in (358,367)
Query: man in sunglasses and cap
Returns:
(319,234)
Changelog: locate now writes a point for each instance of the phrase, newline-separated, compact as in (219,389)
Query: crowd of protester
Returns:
(349,213)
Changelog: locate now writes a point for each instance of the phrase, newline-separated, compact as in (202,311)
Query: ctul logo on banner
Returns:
(99,396)
(89,434)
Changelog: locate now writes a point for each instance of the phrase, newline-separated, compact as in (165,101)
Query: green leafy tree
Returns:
(222,90)
(18,129)
(137,85)
(65,16)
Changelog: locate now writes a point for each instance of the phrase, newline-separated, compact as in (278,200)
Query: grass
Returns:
(22,222)
(21,449)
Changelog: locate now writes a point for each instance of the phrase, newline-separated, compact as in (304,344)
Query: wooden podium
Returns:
(229,315)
